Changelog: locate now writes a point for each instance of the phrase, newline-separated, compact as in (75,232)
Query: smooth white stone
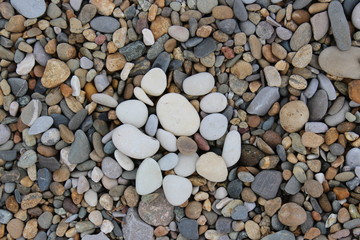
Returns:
(96,174)
(148,37)
(91,198)
(151,125)
(96,217)
(213,102)
(141,95)
(177,115)
(148,177)
(186,164)
(154,82)
(167,140)
(213,126)
(212,167)
(83,185)
(198,84)
(104,99)
(132,112)
(176,189)
(124,161)
(126,70)
(168,162)
(355,16)
(75,85)
(232,148)
(26,65)
(107,226)
(13,108)
(220,193)
(179,33)
(316,127)
(133,143)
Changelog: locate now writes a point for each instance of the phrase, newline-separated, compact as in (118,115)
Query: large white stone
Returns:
(186,165)
(198,84)
(91,198)
(176,189)
(213,102)
(213,126)
(133,112)
(167,140)
(212,167)
(168,162)
(124,161)
(232,148)
(154,82)
(177,115)
(134,143)
(148,177)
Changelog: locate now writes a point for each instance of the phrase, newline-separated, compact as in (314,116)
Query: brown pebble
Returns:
(193,210)
(222,12)
(313,188)
(292,215)
(341,193)
(312,233)
(15,228)
(186,145)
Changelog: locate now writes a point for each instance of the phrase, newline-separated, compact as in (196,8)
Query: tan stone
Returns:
(241,69)
(104,7)
(15,24)
(293,116)
(115,62)
(56,72)
(312,140)
(354,90)
(160,26)
(222,12)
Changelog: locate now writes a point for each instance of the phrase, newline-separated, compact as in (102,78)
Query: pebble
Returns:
(168,162)
(124,161)
(301,37)
(217,173)
(293,116)
(352,159)
(263,101)
(263,186)
(111,168)
(291,214)
(318,105)
(56,72)
(167,140)
(81,142)
(186,164)
(272,76)
(188,228)
(177,189)
(148,37)
(339,26)
(213,103)
(206,6)
(26,65)
(105,24)
(154,82)
(5,216)
(133,221)
(240,10)
(132,112)
(240,212)
(104,99)
(5,133)
(177,115)
(206,47)
(148,177)
(232,148)
(31,112)
(179,33)
(29,9)
(213,126)
(320,25)
(41,125)
(281,235)
(19,86)
(132,142)
(27,159)
(198,84)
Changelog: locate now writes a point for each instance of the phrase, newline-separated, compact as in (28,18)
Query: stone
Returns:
(206,6)
(15,228)
(240,11)
(240,212)
(104,99)
(264,30)
(167,140)
(188,228)
(31,200)
(354,90)
(40,125)
(318,105)
(177,189)
(56,72)
(301,37)
(133,50)
(154,82)
(115,62)
(148,177)
(19,86)
(27,159)
(134,228)
(320,25)
(44,178)
(5,133)
(177,115)
(110,168)
(339,26)
(293,116)
(198,84)
(124,161)
(186,145)
(91,198)
(213,126)
(155,210)
(352,159)
(311,140)
(263,101)
(132,142)
(206,47)
(105,24)
(29,9)
(212,167)
(291,214)
(302,57)
(26,65)
(250,155)
(132,112)
(148,37)
(213,103)
(281,235)
(252,230)
(168,162)
(81,142)
(272,76)
(241,69)
(5,216)
(186,164)
(313,188)
(31,112)
(179,33)
(267,183)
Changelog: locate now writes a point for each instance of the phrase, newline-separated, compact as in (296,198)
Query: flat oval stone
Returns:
(81,142)
(232,148)
(212,167)
(293,116)
(104,99)
(31,112)
(40,55)
(176,189)
(177,115)
(168,162)
(301,37)
(341,63)
(263,101)
(205,47)
(318,105)
(154,82)
(124,161)
(132,112)
(213,103)
(167,140)
(148,177)
(29,8)
(240,11)
(111,168)
(28,159)
(198,84)
(339,117)
(339,26)
(180,33)
(56,72)
(105,24)
(19,86)
(132,142)
(40,125)
(213,126)
(291,214)
(320,25)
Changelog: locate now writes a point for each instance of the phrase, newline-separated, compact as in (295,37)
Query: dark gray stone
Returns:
(77,119)
(318,106)
(8,155)
(188,228)
(205,47)
(240,11)
(162,61)
(267,183)
(300,4)
(134,228)
(80,148)
(157,47)
(223,225)
(227,26)
(133,50)
(339,25)
(50,163)
(44,178)
(19,86)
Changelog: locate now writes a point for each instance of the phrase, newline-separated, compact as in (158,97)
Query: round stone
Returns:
(148,177)
(198,84)
(110,168)
(212,167)
(40,125)
(213,103)
(167,140)
(154,82)
(179,33)
(352,158)
(132,112)
(177,115)
(292,215)
(132,142)
(313,188)
(168,162)
(293,116)
(232,148)
(213,126)
(176,189)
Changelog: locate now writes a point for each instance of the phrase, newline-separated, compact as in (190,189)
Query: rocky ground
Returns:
(180,119)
